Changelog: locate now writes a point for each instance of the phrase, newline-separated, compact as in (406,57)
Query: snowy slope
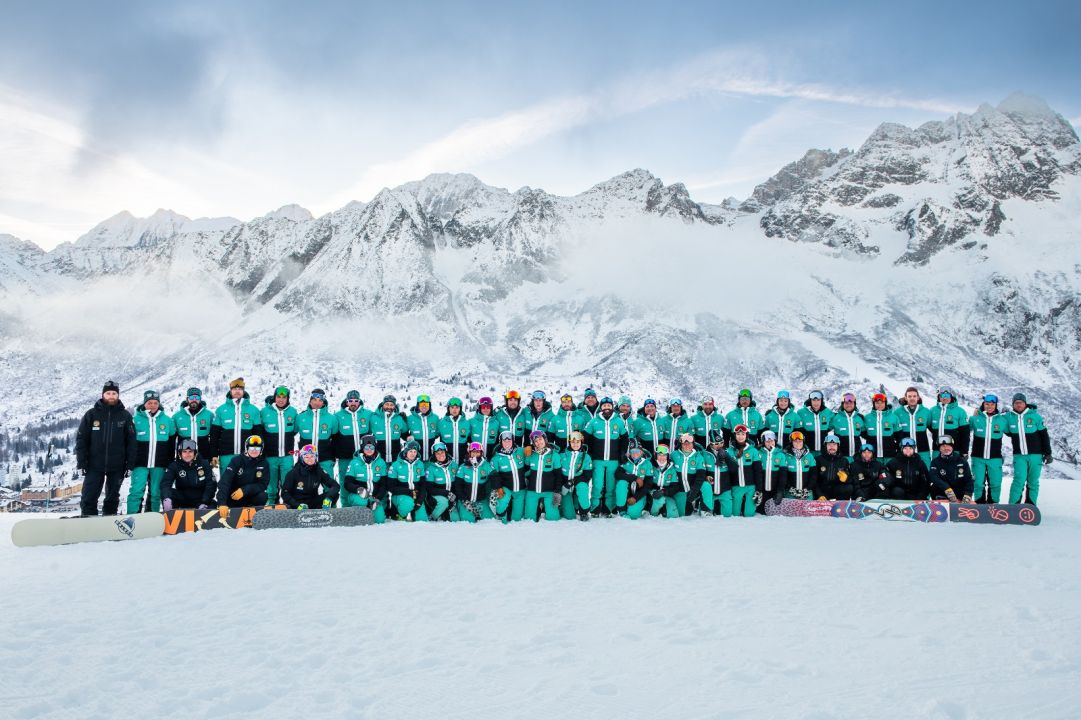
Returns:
(700,617)
(945,255)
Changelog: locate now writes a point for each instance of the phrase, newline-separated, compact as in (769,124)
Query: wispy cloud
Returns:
(742,74)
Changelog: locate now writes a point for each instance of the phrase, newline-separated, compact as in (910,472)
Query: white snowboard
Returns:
(63,531)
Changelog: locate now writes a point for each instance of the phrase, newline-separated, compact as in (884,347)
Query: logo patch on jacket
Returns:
(182,473)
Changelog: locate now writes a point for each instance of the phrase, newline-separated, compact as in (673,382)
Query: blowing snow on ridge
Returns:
(942,255)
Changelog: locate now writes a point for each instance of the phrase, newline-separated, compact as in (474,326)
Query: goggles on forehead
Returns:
(539,395)
(513,395)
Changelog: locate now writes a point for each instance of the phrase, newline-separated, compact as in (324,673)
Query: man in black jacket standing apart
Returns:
(105,451)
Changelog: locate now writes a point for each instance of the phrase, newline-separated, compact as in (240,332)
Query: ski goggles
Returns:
(991,398)
(423,399)
(740,429)
(254,442)
(308,450)
(686,438)
(484,401)
(567,398)
(848,397)
(281,391)
(539,395)
(908,442)
(650,401)
(784,394)
(744,393)
(319,396)
(512,395)
(662,449)
(475,447)
(797,435)
(195,397)
(815,395)
(188,446)
(454,401)
(878,397)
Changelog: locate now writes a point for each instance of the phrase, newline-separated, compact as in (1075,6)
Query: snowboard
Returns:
(186,521)
(916,511)
(1000,514)
(64,531)
(316,517)
(791,507)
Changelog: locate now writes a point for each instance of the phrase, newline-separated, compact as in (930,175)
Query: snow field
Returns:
(693,618)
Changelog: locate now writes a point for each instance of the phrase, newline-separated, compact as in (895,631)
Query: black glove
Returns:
(656,494)
(567,489)
(1047,459)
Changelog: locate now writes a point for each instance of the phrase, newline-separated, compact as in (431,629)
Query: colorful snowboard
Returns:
(791,507)
(319,517)
(186,521)
(64,531)
(1001,514)
(928,512)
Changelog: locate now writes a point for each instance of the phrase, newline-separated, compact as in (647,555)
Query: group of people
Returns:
(531,460)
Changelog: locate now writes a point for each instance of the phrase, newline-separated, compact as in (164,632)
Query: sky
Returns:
(235,109)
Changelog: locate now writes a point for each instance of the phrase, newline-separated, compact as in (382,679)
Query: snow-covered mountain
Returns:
(942,255)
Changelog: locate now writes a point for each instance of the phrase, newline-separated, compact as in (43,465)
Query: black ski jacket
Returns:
(950,472)
(907,478)
(188,485)
(308,485)
(250,475)
(833,478)
(869,477)
(105,441)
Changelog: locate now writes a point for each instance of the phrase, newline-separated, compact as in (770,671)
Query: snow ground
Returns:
(697,618)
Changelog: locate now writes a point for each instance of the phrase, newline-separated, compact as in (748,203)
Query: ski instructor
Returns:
(105,451)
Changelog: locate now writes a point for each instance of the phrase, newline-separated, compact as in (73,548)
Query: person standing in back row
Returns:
(1031,449)
(104,451)
(155,448)
(279,420)
(235,421)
